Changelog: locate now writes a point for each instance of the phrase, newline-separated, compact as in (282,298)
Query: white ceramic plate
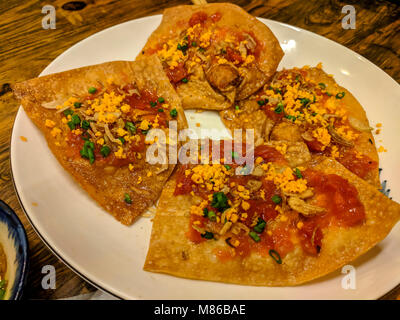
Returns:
(111,255)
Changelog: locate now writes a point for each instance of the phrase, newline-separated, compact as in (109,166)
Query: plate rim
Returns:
(112,291)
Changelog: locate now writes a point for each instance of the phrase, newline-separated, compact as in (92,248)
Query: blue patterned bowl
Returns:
(15,244)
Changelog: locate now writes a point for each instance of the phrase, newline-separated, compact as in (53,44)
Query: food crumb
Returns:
(378,125)
(24,139)
(35,204)
(382,149)
(198,124)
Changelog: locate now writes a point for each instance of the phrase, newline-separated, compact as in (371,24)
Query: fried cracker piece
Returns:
(172,252)
(214,53)
(111,184)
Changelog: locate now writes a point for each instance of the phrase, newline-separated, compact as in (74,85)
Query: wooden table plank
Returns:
(26,49)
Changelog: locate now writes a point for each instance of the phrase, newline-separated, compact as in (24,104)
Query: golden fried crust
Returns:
(171,252)
(105,185)
(251,117)
(354,108)
(176,20)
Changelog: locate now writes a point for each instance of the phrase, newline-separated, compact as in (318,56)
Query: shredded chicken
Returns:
(338,138)
(304,208)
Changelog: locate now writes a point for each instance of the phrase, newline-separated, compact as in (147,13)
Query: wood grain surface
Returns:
(26,49)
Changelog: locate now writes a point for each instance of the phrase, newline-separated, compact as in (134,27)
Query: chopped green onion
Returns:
(127,198)
(194,44)
(85,124)
(260,226)
(275,255)
(75,119)
(211,215)
(173,113)
(304,101)
(227,167)
(68,112)
(122,140)
(340,95)
(279,108)
(290,117)
(92,90)
(185,80)
(276,199)
(130,127)
(153,104)
(87,151)
(254,236)
(77,104)
(261,102)
(71,125)
(207,235)
(237,107)
(161,100)
(105,151)
(322,85)
(220,201)
(90,154)
(298,173)
(205,212)
(89,144)
(160,110)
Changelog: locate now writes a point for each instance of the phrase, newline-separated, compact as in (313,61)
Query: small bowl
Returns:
(15,244)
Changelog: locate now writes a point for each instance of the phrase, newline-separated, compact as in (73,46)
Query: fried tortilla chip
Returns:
(307,105)
(214,53)
(95,120)
(298,254)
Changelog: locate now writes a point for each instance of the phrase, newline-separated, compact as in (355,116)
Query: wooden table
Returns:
(26,49)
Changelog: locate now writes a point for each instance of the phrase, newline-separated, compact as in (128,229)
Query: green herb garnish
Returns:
(279,108)
(173,113)
(276,199)
(130,127)
(85,124)
(275,255)
(340,95)
(298,173)
(68,112)
(127,198)
(260,226)
(220,201)
(92,90)
(105,151)
(207,235)
(254,236)
(211,215)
